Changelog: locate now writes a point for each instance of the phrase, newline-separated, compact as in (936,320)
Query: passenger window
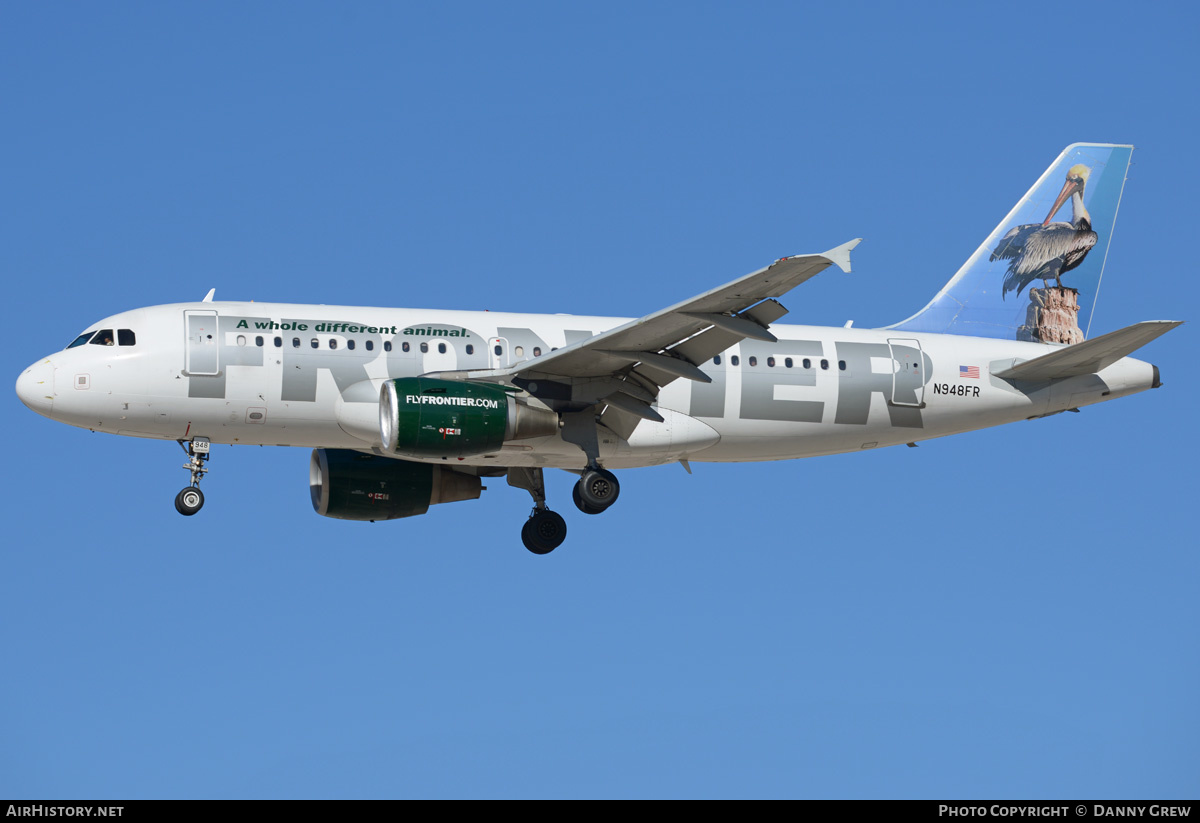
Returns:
(753,361)
(733,360)
(332,344)
(787,362)
(824,364)
(842,365)
(350,344)
(441,348)
(537,351)
(498,350)
(314,342)
(717,360)
(370,345)
(104,337)
(241,339)
(519,351)
(470,349)
(771,362)
(424,348)
(387,345)
(807,363)
(404,346)
(279,342)
(258,341)
(126,337)
(295,342)
(81,339)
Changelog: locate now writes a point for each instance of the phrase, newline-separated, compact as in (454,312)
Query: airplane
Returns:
(407,408)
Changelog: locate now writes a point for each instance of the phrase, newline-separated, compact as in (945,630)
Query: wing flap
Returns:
(674,366)
(633,406)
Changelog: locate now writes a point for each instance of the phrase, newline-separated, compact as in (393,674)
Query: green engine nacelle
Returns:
(350,485)
(423,417)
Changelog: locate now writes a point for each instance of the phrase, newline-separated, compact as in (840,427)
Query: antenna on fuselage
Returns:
(208,297)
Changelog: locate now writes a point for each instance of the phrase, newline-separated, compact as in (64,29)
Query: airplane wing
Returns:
(1087,357)
(624,367)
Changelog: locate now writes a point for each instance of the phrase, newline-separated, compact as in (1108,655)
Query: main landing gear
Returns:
(190,499)
(596,490)
(545,530)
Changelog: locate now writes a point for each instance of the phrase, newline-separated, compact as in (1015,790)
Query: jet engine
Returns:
(350,485)
(423,417)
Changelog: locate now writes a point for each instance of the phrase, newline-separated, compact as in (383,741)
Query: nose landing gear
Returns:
(190,499)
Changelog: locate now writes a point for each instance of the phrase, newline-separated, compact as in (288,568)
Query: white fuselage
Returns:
(303,375)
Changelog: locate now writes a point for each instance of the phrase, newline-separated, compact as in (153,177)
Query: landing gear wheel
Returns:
(189,501)
(597,489)
(579,504)
(544,531)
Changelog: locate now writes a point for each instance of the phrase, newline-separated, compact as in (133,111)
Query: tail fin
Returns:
(1040,243)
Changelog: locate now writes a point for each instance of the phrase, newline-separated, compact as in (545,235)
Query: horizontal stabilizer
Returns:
(1089,356)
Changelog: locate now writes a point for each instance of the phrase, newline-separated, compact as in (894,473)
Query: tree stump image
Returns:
(1053,316)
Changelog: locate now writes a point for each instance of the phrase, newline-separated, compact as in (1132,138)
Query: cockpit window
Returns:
(81,339)
(104,337)
(126,337)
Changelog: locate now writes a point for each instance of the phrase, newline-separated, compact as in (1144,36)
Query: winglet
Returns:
(208,298)
(840,256)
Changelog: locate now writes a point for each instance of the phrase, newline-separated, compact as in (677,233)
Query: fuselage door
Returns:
(202,343)
(908,372)
(498,352)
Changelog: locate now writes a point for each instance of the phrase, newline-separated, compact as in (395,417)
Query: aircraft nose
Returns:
(35,387)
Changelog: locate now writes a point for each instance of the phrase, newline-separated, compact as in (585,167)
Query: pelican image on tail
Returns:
(1047,250)
(1027,246)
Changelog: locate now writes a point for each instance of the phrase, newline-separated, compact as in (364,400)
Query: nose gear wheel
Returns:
(189,501)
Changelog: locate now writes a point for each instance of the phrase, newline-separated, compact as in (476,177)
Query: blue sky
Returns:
(1009,613)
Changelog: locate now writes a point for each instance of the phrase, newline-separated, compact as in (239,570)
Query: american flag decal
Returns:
(968,371)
